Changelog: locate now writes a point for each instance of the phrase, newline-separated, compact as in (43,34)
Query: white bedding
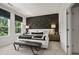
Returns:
(45,42)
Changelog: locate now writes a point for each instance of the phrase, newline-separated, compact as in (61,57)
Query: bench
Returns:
(33,45)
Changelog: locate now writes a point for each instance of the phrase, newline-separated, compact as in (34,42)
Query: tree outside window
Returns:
(18,24)
(3,26)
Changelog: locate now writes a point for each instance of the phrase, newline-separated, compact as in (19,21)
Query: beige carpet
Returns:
(54,49)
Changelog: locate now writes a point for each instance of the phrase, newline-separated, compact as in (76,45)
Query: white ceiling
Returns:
(36,9)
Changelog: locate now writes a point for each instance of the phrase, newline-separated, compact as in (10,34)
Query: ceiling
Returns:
(36,9)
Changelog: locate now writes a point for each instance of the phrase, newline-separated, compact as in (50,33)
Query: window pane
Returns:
(18,26)
(3,26)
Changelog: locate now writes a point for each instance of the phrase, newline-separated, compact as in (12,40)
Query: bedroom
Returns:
(37,12)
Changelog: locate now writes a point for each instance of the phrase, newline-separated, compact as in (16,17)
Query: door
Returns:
(75,31)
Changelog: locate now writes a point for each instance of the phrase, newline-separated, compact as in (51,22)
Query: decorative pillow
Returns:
(36,32)
(37,36)
(44,37)
(25,37)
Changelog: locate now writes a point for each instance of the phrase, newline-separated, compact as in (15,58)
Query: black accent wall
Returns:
(43,22)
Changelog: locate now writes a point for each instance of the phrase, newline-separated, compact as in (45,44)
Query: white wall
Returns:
(5,40)
(62,29)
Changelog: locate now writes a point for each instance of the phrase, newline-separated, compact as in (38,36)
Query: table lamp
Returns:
(27,27)
(53,26)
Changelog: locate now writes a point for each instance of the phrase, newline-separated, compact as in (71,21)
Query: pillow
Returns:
(44,37)
(25,37)
(36,32)
(37,36)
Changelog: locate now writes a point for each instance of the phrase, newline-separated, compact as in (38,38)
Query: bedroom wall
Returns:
(43,21)
(5,40)
(62,29)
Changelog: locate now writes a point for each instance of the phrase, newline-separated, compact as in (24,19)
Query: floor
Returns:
(54,49)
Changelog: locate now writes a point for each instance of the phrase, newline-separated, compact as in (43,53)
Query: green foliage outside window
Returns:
(3,26)
(17,26)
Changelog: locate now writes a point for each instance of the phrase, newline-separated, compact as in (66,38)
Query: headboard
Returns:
(43,22)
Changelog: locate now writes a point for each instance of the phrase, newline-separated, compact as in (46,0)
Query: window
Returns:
(3,26)
(18,24)
(4,17)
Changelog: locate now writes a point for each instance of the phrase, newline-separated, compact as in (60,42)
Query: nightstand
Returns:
(54,37)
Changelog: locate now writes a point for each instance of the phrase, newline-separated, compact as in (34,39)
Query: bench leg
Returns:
(35,50)
(15,47)
(21,46)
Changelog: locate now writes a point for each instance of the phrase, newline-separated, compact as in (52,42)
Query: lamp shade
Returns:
(53,26)
(27,26)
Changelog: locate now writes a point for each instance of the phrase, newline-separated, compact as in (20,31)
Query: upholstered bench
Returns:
(32,45)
